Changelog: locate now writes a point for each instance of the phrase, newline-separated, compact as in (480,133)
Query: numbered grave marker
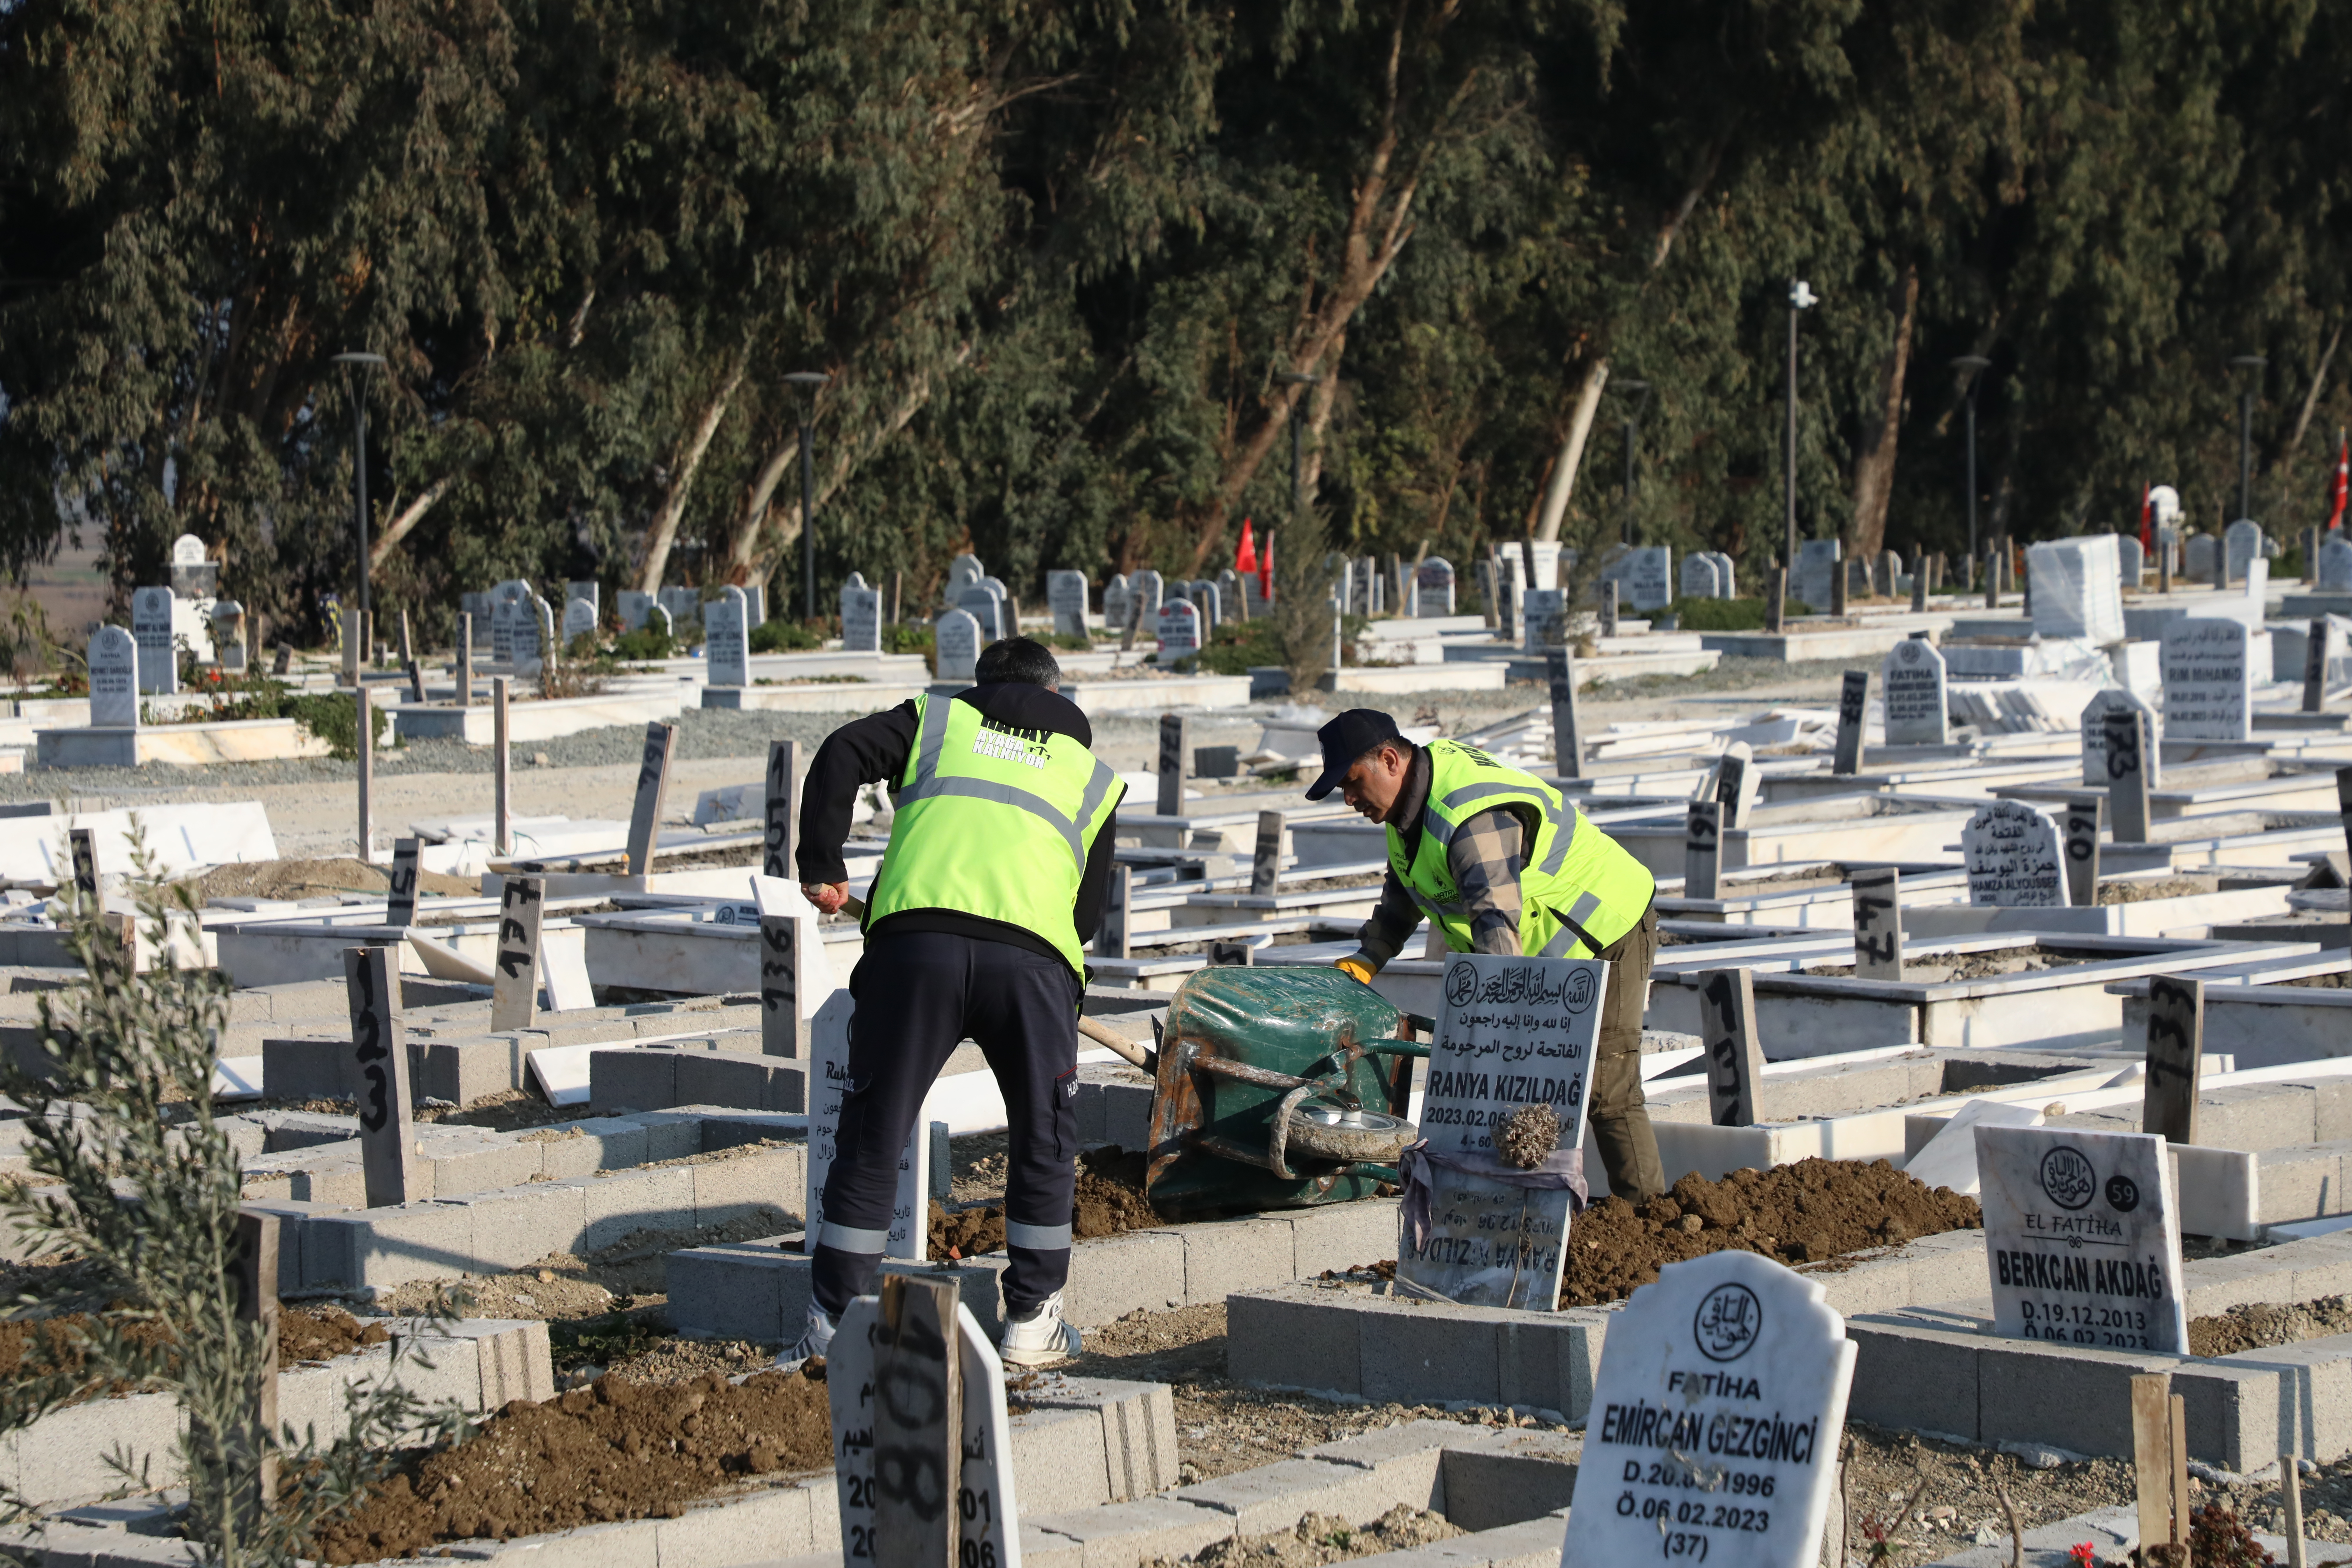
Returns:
(2127,776)
(1175,752)
(514,983)
(1567,748)
(1878,925)
(2080,825)
(1118,892)
(1735,1058)
(783,810)
(1266,859)
(2081,1237)
(1702,846)
(400,901)
(653,790)
(1854,701)
(2175,1056)
(379,1076)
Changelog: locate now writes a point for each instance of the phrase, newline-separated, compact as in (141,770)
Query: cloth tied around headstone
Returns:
(1562,1170)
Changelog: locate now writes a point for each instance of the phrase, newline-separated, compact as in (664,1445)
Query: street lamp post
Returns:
(1302,380)
(2254,363)
(1802,297)
(811,380)
(1973,367)
(355,370)
(1640,391)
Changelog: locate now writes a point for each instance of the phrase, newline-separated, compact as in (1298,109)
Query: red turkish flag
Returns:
(1245,558)
(2146,521)
(2343,483)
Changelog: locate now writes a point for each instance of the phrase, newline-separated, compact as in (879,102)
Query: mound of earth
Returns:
(1804,1212)
(317,879)
(613,1450)
(2258,1325)
(32,1347)
(1109,1202)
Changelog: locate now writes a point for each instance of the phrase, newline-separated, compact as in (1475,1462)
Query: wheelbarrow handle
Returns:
(1396,1048)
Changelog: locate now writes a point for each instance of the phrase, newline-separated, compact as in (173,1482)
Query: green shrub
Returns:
(1728,615)
(908,637)
(785,637)
(333,717)
(1235,646)
(646,642)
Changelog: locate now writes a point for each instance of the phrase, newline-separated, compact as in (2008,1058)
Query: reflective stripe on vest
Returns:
(1578,888)
(948,851)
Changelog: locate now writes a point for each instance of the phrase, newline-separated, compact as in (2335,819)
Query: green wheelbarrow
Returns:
(1274,1088)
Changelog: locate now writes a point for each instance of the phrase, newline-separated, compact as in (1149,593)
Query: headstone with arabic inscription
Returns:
(1700,578)
(2094,736)
(2335,565)
(1511,1032)
(1066,595)
(982,603)
(2242,542)
(861,620)
(1180,631)
(2015,858)
(956,637)
(1817,563)
(2082,1239)
(150,628)
(727,639)
(1433,582)
(113,679)
(2208,688)
(963,572)
(1912,689)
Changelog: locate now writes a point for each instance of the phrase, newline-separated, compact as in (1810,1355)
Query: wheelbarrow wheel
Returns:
(1326,1131)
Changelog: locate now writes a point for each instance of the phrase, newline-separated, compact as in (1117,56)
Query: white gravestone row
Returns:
(2094,734)
(1179,631)
(1646,577)
(151,628)
(1716,1420)
(1512,1032)
(1434,588)
(727,639)
(1912,687)
(2209,687)
(2082,1239)
(113,678)
(2242,543)
(861,617)
(1817,568)
(2077,593)
(956,637)
(2014,857)
(1065,594)
(193,576)
(2335,565)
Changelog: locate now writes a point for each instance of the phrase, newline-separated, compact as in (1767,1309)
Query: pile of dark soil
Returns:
(2260,1325)
(321,1334)
(613,1450)
(1804,1212)
(39,1346)
(317,879)
(1109,1202)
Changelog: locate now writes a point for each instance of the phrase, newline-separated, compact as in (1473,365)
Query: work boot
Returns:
(816,1340)
(1039,1337)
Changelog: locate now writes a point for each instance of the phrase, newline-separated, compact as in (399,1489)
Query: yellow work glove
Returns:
(1355,968)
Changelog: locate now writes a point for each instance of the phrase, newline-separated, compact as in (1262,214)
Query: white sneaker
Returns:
(816,1340)
(1040,1338)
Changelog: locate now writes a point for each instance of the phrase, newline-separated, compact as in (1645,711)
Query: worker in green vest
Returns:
(1000,858)
(1499,862)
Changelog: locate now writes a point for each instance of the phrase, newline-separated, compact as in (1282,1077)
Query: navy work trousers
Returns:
(918,995)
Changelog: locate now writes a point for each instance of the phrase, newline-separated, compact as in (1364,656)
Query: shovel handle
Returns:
(1118,1044)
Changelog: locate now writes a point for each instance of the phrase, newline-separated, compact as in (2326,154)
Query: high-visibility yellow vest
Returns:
(1579,890)
(994,821)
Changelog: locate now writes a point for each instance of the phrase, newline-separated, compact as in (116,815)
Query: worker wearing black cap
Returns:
(1500,862)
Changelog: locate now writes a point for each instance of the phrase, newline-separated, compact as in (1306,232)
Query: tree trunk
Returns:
(664,533)
(1873,469)
(2285,471)
(1571,450)
(405,521)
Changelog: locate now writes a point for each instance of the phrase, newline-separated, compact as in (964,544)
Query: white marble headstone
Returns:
(2075,590)
(1510,1031)
(113,678)
(683,604)
(1725,576)
(2242,540)
(635,608)
(1646,576)
(1066,595)
(228,635)
(956,637)
(2131,560)
(1179,630)
(2208,688)
(1699,581)
(984,607)
(2094,736)
(503,612)
(1817,569)
(1543,612)
(2201,554)
(963,572)
(1117,602)
(1149,589)
(579,619)
(151,628)
(861,620)
(2015,858)
(727,639)
(528,641)
(1716,1420)
(1433,582)
(2335,564)
(829,1026)
(1911,683)
(2082,1239)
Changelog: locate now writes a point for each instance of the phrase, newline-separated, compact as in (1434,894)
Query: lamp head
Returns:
(1801,296)
(812,379)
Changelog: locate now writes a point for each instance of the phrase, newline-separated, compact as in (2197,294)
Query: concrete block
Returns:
(670,1134)
(1234,1255)
(1421,1352)
(728,1128)
(437,1368)
(390,1246)
(634,1080)
(978,1281)
(1276,1496)
(2233,1411)
(340,1184)
(1547,1362)
(291,1217)
(730,1291)
(2213,1284)
(2302,1184)
(519,1225)
(583,1148)
(62,1457)
(1139,1429)
(774,1523)
(2314,1393)
(2263,1116)
(622,1203)
(1914,1376)
(511,1359)
(630,1544)
(1533,1544)
(2322,1264)
(1409,1457)
(1510,1483)
(2332,1109)
(1057,1460)
(1342,1235)
(1289,1338)
(305,1069)
(1039,1549)
(479,1164)
(768,1181)
(290,1129)
(712,1077)
(2067,1396)
(1116,1275)
(1127,1535)
(310,1397)
(465,1070)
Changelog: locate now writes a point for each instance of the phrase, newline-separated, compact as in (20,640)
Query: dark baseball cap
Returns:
(1345,739)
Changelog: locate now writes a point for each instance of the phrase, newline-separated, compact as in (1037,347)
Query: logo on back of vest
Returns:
(1003,743)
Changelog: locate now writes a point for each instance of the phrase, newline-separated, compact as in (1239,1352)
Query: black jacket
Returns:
(873,749)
